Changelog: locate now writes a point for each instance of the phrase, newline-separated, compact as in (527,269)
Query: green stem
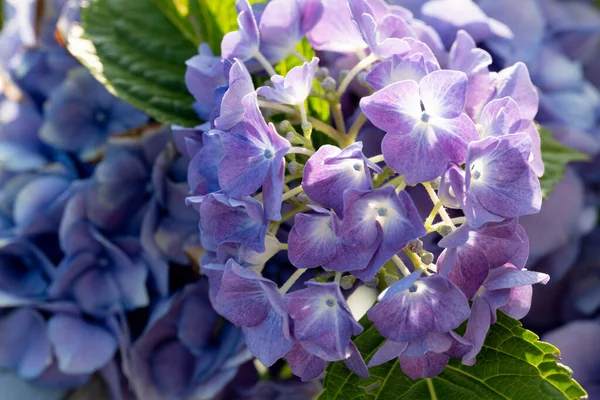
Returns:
(265,63)
(364,63)
(288,284)
(289,194)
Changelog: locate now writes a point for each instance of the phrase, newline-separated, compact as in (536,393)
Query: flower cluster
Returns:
(440,144)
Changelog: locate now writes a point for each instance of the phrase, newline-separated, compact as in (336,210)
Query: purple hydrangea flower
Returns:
(313,240)
(414,65)
(498,181)
(254,158)
(323,323)
(381,26)
(503,117)
(465,56)
(330,171)
(424,358)
(335,31)
(422,139)
(381,217)
(448,16)
(294,88)
(205,152)
(507,288)
(81,114)
(515,82)
(232,107)
(203,75)
(253,302)
(413,308)
(179,355)
(274,32)
(226,220)
(469,253)
(243,43)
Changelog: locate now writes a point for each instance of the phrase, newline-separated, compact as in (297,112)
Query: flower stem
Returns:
(377,159)
(338,277)
(300,150)
(362,64)
(265,63)
(355,128)
(303,116)
(289,194)
(401,266)
(317,124)
(338,117)
(435,199)
(288,284)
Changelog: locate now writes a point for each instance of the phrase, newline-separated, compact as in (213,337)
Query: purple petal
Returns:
(312,240)
(243,43)
(388,351)
(304,364)
(395,108)
(232,109)
(79,346)
(272,330)
(323,323)
(444,93)
(516,83)
(426,366)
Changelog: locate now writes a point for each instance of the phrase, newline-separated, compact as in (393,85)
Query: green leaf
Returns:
(201,20)
(555,156)
(513,364)
(137,52)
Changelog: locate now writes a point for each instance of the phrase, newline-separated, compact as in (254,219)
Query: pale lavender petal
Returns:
(444,93)
(395,108)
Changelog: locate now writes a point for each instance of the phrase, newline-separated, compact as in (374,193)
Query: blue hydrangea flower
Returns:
(179,356)
(204,74)
(80,115)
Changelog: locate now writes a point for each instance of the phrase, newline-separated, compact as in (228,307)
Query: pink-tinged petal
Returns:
(304,364)
(444,93)
(426,366)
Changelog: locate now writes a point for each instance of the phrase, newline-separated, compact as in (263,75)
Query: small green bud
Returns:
(427,257)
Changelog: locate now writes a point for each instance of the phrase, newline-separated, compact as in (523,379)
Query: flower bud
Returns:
(322,73)
(347,282)
(444,230)
(329,84)
(427,258)
(415,246)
